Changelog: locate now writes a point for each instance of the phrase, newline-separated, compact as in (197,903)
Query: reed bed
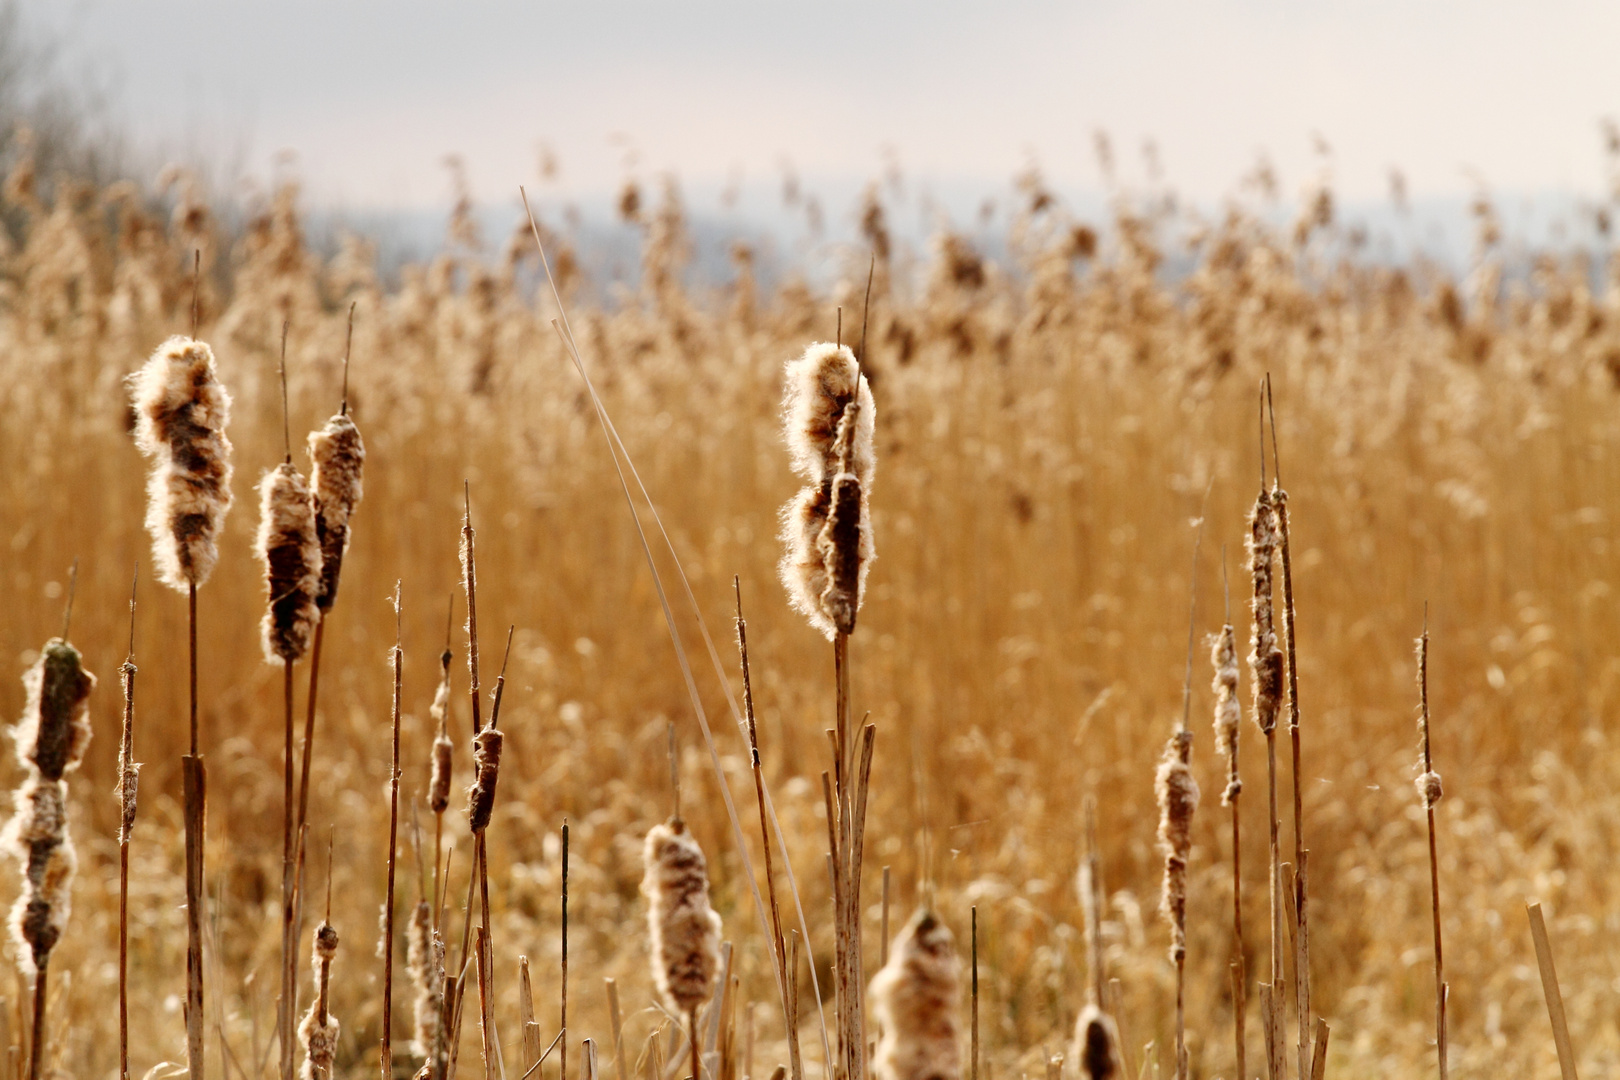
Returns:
(1047,423)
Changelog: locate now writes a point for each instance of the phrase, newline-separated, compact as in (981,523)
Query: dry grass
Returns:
(1047,427)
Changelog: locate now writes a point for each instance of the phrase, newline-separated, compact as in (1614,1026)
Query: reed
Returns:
(396,657)
(181,412)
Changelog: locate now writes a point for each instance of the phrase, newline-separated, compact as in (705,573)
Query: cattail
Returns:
(1228,713)
(915,996)
(424,959)
(337,456)
(291,554)
(1265,658)
(486,771)
(50,739)
(1096,1044)
(444,751)
(181,410)
(129,770)
(1178,797)
(685,930)
(829,417)
(318,1034)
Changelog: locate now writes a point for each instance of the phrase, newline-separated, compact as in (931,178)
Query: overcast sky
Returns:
(372,95)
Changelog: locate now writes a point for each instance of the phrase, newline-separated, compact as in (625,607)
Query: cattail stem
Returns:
(1239,962)
(289,929)
(1551,991)
(194,783)
(309,724)
(398,658)
(973,1060)
(1430,790)
(128,773)
(697,1054)
(562,1024)
(37,1048)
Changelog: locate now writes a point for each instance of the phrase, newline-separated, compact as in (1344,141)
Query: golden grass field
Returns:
(1046,430)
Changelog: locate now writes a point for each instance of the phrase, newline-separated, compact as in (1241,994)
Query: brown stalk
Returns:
(1302,952)
(779,941)
(194,788)
(531,1029)
(1429,789)
(292,822)
(562,1050)
(1549,988)
(973,1059)
(128,772)
(618,1028)
(398,658)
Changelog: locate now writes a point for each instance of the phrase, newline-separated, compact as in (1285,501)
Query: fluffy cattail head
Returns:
(486,772)
(915,997)
(291,555)
(54,730)
(424,959)
(1228,713)
(1265,658)
(129,770)
(829,418)
(685,931)
(181,410)
(319,1040)
(37,837)
(1096,1044)
(337,456)
(1178,798)
(1429,788)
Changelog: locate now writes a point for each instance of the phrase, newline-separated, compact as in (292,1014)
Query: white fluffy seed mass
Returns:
(181,411)
(828,419)
(915,998)
(685,931)
(291,554)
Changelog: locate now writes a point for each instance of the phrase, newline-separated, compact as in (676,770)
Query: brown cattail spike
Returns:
(291,554)
(1265,657)
(1096,1044)
(685,930)
(486,771)
(181,411)
(337,457)
(829,417)
(916,997)
(1228,712)
(318,1033)
(1178,798)
(50,739)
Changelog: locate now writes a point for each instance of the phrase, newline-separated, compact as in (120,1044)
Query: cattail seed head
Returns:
(829,419)
(291,554)
(915,997)
(684,929)
(486,772)
(424,960)
(1228,713)
(337,458)
(1429,788)
(181,411)
(1178,797)
(129,770)
(1265,658)
(318,1033)
(54,730)
(1096,1044)
(37,837)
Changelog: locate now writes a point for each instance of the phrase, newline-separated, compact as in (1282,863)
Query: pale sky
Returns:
(371,95)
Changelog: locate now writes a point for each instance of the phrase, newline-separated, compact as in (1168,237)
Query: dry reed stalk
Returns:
(526,1021)
(1266,663)
(1228,724)
(562,1023)
(1430,791)
(973,952)
(181,411)
(1302,952)
(128,786)
(829,420)
(397,663)
(50,741)
(778,939)
(618,1028)
(684,931)
(915,998)
(1549,989)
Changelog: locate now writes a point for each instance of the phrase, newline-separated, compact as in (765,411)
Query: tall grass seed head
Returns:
(915,997)
(291,554)
(683,928)
(337,459)
(181,412)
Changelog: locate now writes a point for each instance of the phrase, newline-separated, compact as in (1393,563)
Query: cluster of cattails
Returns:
(916,998)
(829,418)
